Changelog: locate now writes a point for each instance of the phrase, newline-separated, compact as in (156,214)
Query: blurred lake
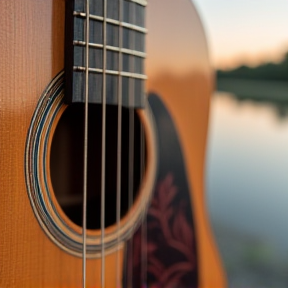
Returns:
(247,188)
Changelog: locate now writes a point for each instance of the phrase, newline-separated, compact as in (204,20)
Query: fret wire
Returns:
(83,43)
(82,69)
(134,52)
(112,48)
(134,75)
(135,27)
(112,72)
(140,2)
(112,21)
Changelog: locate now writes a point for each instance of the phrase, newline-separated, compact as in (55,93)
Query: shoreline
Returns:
(273,91)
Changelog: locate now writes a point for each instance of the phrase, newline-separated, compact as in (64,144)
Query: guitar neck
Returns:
(111,46)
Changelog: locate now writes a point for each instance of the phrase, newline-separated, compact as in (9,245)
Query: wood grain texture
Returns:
(31,54)
(31,45)
(179,72)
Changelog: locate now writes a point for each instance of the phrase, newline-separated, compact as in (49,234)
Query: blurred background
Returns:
(247,156)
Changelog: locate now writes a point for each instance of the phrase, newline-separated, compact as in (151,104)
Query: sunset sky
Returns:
(245,31)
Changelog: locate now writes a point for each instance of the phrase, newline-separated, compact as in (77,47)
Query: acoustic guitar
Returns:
(103,121)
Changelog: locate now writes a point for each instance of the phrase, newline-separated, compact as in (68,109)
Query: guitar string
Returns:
(84,224)
(103,164)
(144,224)
(144,244)
(119,145)
(131,140)
(131,145)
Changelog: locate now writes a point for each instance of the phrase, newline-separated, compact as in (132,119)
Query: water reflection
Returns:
(274,93)
(280,108)
(247,189)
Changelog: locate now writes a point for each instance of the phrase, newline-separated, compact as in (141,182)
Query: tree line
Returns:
(267,71)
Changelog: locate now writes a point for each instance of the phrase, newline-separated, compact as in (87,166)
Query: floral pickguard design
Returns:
(166,256)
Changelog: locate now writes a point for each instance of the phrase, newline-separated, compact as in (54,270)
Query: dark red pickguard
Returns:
(170,248)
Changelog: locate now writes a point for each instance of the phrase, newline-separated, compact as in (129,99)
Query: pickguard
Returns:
(168,250)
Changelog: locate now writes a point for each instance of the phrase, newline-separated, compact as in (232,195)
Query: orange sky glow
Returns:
(244,31)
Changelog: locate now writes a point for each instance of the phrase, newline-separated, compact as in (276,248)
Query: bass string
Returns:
(143,232)
(84,224)
(103,148)
(131,140)
(119,146)
(103,144)
(144,224)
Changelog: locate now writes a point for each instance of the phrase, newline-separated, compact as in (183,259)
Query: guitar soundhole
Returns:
(66,163)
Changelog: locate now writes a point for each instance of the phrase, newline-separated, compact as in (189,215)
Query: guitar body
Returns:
(179,86)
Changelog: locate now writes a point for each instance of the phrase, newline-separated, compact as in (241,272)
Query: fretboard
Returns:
(123,40)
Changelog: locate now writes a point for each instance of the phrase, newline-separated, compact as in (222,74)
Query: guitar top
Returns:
(104,110)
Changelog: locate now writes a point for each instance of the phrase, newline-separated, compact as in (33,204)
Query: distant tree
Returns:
(286,58)
(267,71)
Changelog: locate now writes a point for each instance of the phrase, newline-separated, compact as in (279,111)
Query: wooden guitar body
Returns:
(179,86)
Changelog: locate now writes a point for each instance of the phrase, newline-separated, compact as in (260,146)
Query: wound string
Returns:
(119,147)
(84,224)
(103,158)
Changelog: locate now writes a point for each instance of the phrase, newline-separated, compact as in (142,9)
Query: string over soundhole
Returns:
(67,172)
(53,174)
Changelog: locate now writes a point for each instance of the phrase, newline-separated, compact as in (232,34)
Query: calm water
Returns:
(247,190)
